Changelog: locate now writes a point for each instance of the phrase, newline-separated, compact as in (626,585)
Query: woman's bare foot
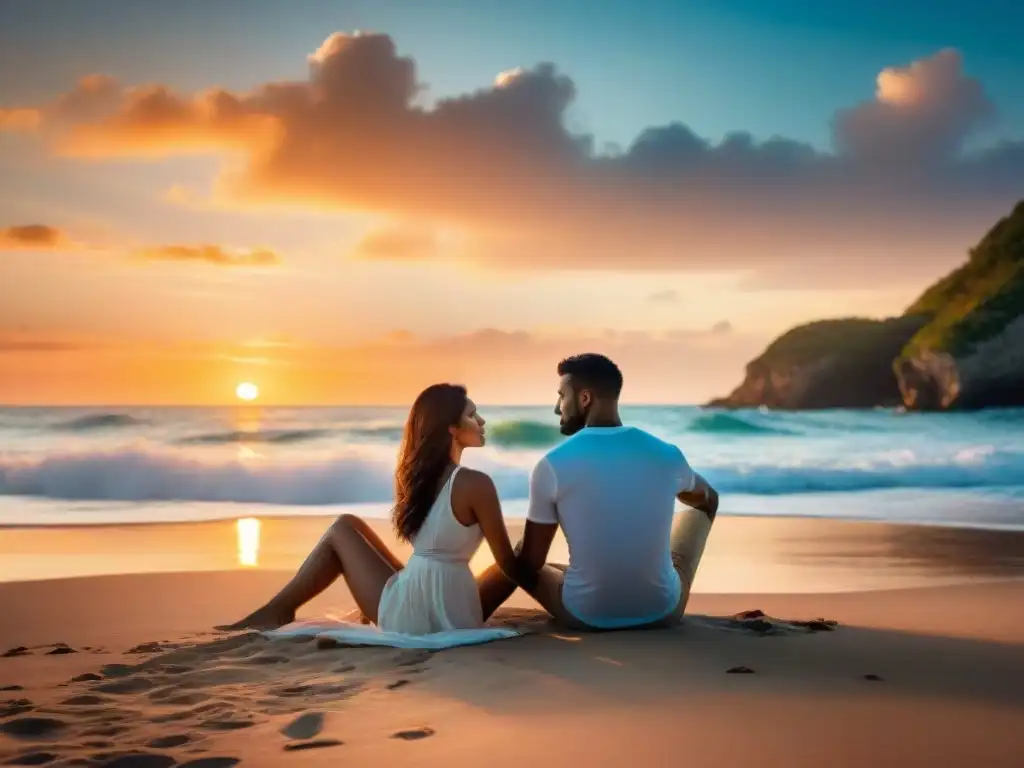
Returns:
(263,619)
(356,616)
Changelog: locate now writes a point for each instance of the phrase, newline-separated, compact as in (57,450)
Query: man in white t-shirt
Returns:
(612,489)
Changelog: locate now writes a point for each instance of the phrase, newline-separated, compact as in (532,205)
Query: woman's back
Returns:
(436,590)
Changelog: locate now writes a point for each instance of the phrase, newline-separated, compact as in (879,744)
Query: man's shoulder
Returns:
(571,446)
(655,442)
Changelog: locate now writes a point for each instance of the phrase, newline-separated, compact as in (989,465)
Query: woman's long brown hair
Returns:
(425,454)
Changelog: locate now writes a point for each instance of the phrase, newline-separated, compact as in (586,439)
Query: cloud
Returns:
(210,254)
(501,164)
(396,244)
(668,296)
(722,327)
(42,237)
(921,114)
(31,237)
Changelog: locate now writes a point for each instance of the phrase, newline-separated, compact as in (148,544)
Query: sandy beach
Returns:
(124,669)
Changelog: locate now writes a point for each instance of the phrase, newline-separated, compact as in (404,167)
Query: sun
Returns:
(247,391)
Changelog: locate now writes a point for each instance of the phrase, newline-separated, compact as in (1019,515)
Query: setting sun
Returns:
(247,391)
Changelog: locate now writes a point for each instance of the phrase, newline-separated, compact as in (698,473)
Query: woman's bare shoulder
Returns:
(474,479)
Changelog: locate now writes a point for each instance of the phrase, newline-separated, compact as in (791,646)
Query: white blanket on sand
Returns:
(353,633)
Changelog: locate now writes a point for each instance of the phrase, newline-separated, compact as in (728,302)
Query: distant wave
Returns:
(142,475)
(982,467)
(523,434)
(256,436)
(97,421)
(381,433)
(733,424)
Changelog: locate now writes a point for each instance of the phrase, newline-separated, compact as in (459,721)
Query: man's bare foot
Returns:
(263,619)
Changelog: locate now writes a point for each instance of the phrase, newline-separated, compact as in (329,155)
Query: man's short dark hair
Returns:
(594,372)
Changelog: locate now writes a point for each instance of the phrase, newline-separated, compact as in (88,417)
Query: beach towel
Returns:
(353,633)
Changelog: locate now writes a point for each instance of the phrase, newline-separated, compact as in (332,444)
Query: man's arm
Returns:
(532,551)
(702,496)
(694,490)
(541,523)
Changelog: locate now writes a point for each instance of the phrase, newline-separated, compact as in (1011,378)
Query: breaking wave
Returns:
(138,474)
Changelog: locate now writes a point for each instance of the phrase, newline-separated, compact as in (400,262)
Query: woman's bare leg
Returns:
(349,548)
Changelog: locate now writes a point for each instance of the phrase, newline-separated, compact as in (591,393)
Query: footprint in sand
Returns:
(32,727)
(412,659)
(227,725)
(267,659)
(292,690)
(166,742)
(741,670)
(88,677)
(174,669)
(127,685)
(155,646)
(134,760)
(397,684)
(87,700)
(33,758)
(413,734)
(211,762)
(187,699)
(215,709)
(116,670)
(298,746)
(20,650)
(305,726)
(60,649)
(15,707)
(105,730)
(11,688)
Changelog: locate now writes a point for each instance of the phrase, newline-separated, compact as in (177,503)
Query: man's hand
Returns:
(532,552)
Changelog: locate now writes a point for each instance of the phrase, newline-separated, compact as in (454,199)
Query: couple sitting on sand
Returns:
(611,487)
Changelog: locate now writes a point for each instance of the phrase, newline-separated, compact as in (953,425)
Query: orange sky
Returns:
(152,235)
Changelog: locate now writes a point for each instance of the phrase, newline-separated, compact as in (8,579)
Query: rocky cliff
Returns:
(971,352)
(827,364)
(960,345)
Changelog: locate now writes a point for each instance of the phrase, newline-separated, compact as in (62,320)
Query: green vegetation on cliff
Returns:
(977,300)
(854,338)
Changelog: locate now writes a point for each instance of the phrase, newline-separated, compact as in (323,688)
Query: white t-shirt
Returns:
(613,491)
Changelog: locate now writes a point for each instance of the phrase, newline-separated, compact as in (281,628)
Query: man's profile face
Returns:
(572,407)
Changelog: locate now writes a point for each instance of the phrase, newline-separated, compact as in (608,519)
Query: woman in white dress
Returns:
(443,509)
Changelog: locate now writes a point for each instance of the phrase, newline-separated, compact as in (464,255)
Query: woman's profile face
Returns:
(469,432)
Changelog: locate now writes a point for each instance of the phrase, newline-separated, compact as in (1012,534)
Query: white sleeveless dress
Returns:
(436,591)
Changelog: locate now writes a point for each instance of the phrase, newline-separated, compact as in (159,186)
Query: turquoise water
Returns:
(90,465)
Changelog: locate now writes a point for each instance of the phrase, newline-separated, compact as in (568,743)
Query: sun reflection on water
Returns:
(248,541)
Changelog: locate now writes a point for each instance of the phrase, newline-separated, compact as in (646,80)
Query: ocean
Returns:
(61,466)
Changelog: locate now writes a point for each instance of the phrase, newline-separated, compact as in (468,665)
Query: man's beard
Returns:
(574,423)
